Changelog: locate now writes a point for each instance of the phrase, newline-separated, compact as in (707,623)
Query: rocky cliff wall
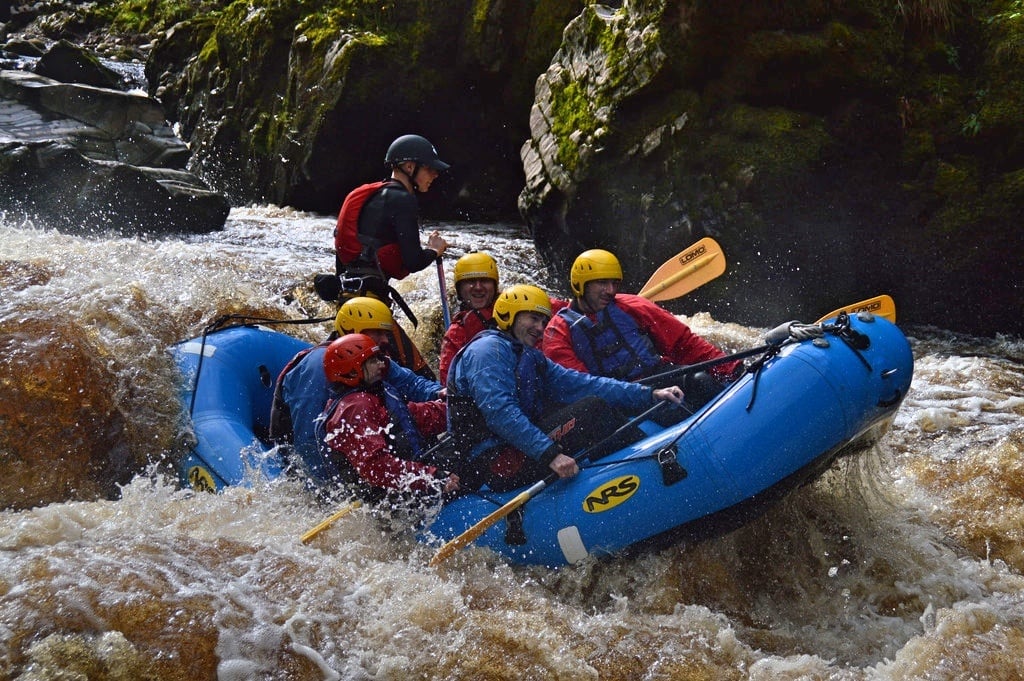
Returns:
(836,150)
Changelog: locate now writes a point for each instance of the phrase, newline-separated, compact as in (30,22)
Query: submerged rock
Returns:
(62,435)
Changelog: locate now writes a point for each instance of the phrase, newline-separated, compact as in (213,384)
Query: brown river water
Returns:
(904,561)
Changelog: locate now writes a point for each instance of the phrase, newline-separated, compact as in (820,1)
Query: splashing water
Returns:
(903,562)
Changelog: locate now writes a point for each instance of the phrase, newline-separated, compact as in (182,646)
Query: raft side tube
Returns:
(230,412)
(765,435)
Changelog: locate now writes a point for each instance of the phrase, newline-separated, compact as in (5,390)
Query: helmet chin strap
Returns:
(412,175)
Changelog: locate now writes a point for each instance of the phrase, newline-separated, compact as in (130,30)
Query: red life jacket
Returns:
(346,232)
(348,244)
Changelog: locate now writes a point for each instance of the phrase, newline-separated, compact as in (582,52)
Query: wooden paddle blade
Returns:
(696,266)
(880,306)
(482,526)
(307,536)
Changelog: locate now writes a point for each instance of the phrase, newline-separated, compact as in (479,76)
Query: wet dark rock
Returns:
(26,48)
(71,64)
(87,158)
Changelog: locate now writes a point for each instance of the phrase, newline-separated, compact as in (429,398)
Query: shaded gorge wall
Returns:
(836,150)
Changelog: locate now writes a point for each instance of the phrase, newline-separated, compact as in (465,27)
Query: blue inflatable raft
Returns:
(779,426)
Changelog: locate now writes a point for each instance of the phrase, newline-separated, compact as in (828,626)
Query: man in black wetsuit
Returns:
(377,237)
(387,234)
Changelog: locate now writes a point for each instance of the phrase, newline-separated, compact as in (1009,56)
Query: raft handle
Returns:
(671,471)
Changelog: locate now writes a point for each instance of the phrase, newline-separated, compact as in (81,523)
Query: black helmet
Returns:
(414,148)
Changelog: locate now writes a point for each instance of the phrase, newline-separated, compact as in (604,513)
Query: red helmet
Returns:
(344,358)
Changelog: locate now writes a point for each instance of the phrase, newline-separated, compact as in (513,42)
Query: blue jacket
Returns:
(513,385)
(301,394)
(409,385)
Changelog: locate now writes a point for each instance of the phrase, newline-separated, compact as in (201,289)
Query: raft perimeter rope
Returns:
(855,340)
(802,332)
(796,332)
(221,323)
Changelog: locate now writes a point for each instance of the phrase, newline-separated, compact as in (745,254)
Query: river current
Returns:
(904,561)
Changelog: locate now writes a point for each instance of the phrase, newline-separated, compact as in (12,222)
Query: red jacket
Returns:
(466,324)
(358,428)
(671,337)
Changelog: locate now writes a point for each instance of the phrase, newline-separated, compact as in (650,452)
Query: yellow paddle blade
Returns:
(482,526)
(880,306)
(330,521)
(696,266)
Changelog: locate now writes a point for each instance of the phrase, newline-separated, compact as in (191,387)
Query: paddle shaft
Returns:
(536,488)
(330,521)
(700,366)
(445,313)
(585,452)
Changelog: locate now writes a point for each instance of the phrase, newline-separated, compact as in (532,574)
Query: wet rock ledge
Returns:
(81,153)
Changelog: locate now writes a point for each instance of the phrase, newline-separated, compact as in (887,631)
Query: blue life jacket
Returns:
(303,388)
(613,345)
(466,422)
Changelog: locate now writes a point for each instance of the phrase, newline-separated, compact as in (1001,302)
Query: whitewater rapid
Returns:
(903,562)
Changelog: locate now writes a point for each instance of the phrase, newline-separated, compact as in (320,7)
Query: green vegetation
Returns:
(573,119)
(580,109)
(1008,25)
(330,25)
(143,16)
(777,143)
(930,16)
(481,8)
(613,44)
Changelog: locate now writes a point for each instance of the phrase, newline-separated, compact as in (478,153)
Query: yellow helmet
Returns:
(519,298)
(361,313)
(592,265)
(476,265)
